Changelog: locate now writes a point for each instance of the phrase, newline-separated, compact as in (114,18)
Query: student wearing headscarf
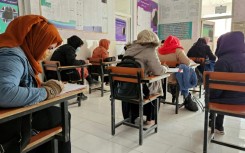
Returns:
(66,55)
(231,54)
(102,50)
(26,41)
(172,50)
(200,49)
(144,51)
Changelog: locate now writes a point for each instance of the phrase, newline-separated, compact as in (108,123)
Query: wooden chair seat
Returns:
(42,137)
(234,109)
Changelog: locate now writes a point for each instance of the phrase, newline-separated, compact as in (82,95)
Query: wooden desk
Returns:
(13,113)
(151,79)
(74,66)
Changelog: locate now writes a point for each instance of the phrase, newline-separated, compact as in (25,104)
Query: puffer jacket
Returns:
(147,57)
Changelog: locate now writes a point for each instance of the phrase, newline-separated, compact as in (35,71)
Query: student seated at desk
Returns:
(143,50)
(26,42)
(102,52)
(172,50)
(230,59)
(201,49)
(66,55)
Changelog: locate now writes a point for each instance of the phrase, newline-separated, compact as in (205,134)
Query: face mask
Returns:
(78,49)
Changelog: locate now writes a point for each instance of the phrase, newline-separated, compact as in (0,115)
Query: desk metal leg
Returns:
(141,123)
(113,116)
(156,114)
(65,121)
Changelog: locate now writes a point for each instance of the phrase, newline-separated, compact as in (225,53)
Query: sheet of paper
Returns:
(174,70)
(71,87)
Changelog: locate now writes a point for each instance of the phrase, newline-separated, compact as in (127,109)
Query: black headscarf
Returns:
(74,41)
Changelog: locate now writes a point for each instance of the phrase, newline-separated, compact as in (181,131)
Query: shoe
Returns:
(219,130)
(190,104)
(148,124)
(95,83)
(82,96)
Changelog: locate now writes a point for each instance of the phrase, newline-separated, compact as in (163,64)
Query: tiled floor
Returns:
(182,133)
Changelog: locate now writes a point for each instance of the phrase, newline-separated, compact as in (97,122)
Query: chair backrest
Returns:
(51,66)
(95,61)
(171,64)
(122,78)
(224,81)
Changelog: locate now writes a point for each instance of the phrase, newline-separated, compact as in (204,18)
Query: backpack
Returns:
(129,90)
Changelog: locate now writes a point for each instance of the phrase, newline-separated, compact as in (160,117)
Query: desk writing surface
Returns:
(150,79)
(74,66)
(12,112)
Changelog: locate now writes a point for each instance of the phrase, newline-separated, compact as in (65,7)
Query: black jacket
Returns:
(66,54)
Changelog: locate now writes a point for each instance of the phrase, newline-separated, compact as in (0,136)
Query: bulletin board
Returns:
(9,10)
(86,15)
(182,30)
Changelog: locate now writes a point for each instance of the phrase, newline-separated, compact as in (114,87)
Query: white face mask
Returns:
(78,49)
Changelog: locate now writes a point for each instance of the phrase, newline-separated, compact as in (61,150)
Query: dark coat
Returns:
(66,54)
(231,54)
(201,50)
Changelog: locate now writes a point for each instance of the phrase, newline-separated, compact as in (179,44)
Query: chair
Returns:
(222,81)
(54,66)
(173,64)
(97,69)
(200,61)
(130,75)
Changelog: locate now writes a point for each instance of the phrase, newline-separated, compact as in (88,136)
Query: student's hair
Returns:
(75,41)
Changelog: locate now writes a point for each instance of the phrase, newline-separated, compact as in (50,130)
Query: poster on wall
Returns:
(147,14)
(154,16)
(120,30)
(182,30)
(77,14)
(208,31)
(8,11)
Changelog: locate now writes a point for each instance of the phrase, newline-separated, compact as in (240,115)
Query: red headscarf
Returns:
(170,45)
(34,35)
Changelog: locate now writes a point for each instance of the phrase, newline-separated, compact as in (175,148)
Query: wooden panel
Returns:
(126,70)
(227,87)
(226,76)
(42,136)
(51,65)
(234,109)
(14,111)
(95,60)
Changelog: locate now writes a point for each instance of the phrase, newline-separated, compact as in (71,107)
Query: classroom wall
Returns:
(182,11)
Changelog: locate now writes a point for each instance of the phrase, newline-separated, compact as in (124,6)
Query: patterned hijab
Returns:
(33,34)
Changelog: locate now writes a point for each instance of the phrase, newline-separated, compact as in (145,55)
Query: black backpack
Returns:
(129,90)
